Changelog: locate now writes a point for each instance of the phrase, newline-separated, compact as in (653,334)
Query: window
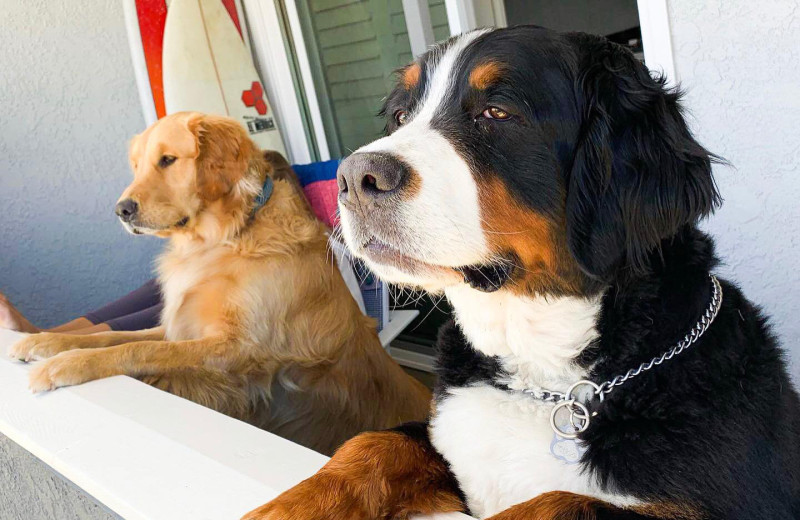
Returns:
(354,47)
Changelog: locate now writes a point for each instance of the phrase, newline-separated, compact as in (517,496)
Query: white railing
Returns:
(146,454)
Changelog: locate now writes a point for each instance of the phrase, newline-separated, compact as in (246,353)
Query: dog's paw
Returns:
(42,345)
(268,511)
(65,369)
(316,498)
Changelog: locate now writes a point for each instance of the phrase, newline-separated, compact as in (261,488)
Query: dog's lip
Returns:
(375,245)
(138,228)
(487,277)
(380,252)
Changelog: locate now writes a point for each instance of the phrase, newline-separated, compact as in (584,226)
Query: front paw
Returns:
(318,498)
(42,345)
(66,369)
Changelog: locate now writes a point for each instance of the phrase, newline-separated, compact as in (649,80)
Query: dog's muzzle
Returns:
(127,210)
(366,179)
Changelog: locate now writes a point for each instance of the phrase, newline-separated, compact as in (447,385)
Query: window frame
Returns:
(272,56)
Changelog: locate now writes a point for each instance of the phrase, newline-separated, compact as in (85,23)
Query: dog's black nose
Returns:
(370,176)
(127,209)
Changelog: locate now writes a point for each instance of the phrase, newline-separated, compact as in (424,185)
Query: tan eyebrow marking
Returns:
(411,75)
(486,74)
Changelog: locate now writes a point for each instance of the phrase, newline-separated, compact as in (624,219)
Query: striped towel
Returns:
(319,184)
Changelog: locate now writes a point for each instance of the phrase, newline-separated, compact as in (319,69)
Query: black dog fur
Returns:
(717,429)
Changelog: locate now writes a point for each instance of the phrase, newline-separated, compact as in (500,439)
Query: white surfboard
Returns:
(207,68)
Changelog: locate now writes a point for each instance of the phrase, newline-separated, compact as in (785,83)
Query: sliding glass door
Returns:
(354,47)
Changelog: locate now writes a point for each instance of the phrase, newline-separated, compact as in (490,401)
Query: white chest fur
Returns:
(538,339)
(181,268)
(497,442)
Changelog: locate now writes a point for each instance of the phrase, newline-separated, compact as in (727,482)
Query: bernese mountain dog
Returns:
(596,368)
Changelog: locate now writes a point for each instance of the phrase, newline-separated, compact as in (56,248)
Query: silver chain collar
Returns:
(579,414)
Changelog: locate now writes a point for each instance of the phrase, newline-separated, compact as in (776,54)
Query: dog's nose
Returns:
(126,209)
(370,176)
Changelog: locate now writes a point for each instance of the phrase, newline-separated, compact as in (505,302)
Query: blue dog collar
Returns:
(263,197)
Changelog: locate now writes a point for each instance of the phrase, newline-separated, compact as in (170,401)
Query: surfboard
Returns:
(206,67)
(151,15)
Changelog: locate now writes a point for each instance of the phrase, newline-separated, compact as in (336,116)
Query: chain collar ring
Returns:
(579,413)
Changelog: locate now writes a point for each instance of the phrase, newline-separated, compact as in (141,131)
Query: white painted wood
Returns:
(310,89)
(418,23)
(147,454)
(489,13)
(466,15)
(460,16)
(410,358)
(271,57)
(398,320)
(499,11)
(656,38)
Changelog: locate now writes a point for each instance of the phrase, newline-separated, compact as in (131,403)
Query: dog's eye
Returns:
(496,113)
(401,117)
(166,160)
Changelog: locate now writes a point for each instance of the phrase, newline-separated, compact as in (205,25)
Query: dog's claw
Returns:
(40,346)
(65,369)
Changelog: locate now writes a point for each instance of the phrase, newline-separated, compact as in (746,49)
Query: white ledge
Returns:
(147,454)
(398,321)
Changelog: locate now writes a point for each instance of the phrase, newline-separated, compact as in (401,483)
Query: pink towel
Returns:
(322,195)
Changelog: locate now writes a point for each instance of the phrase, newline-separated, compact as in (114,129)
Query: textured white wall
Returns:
(30,489)
(740,63)
(68,105)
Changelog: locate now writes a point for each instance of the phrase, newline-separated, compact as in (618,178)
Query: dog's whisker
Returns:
(435,307)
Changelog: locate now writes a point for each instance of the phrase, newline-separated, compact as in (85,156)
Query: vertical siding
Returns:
(360,44)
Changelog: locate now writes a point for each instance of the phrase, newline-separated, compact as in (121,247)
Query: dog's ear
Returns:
(638,174)
(279,167)
(223,154)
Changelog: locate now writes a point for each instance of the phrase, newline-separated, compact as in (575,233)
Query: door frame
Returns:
(466,15)
(657,38)
(271,53)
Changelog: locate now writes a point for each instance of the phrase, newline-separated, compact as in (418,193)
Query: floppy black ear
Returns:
(638,174)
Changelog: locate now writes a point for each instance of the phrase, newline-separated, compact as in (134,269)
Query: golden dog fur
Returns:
(257,322)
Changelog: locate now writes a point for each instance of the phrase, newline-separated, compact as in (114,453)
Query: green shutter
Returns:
(354,48)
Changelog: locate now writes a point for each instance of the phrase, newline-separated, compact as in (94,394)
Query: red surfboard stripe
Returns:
(152,15)
(230,5)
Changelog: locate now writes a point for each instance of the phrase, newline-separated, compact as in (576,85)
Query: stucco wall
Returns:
(740,63)
(69,105)
(31,490)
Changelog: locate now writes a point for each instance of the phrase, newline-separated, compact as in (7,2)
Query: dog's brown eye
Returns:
(496,113)
(166,160)
(401,116)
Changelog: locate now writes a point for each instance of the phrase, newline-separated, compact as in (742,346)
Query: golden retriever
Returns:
(257,322)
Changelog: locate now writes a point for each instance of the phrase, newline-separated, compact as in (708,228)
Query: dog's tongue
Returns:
(488,277)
